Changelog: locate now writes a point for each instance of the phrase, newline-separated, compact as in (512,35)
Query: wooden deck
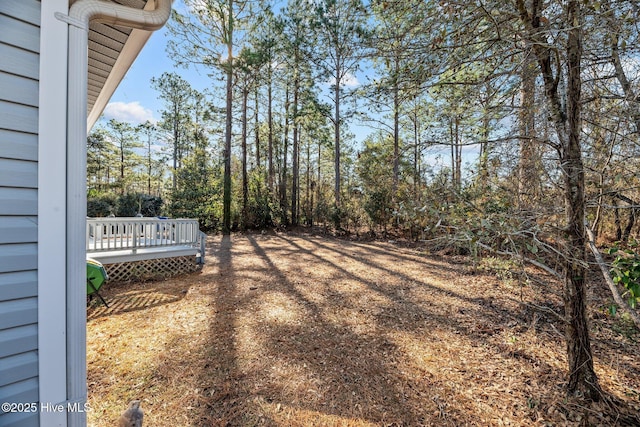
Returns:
(131,255)
(147,242)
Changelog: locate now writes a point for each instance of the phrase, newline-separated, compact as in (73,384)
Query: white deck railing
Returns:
(115,234)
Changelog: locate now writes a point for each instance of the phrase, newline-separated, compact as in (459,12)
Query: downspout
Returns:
(80,14)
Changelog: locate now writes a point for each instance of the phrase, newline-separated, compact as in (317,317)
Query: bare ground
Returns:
(306,330)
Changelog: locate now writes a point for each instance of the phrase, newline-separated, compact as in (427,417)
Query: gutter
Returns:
(81,13)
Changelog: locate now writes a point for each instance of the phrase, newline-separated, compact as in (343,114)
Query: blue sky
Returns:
(136,100)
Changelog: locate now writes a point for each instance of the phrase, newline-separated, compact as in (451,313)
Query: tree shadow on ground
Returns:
(299,330)
(541,312)
(134,297)
(288,344)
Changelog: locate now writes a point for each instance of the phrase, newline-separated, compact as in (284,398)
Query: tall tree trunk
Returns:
(295,172)
(318,172)
(528,178)
(176,143)
(283,179)
(270,130)
(245,184)
(396,151)
(336,136)
(457,165)
(309,201)
(483,167)
(299,192)
(582,378)
(257,127)
(295,177)
(396,133)
(122,167)
(458,156)
(416,156)
(149,165)
(99,177)
(452,141)
(226,197)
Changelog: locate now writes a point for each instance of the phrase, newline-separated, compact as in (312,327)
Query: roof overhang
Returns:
(112,51)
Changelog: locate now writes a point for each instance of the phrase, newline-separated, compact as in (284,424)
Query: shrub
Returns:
(626,272)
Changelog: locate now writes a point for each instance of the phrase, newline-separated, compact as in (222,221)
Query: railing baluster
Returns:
(110,234)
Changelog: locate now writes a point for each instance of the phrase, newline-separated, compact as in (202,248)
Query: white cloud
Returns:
(128,112)
(349,80)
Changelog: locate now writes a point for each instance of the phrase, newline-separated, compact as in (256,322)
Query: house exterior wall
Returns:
(19,101)
(42,346)
(52,138)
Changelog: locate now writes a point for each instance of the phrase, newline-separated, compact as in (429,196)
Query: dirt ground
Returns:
(300,329)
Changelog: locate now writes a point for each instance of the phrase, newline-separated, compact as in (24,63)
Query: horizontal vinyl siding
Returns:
(19,89)
(18,229)
(18,145)
(20,420)
(19,61)
(17,340)
(19,92)
(19,33)
(18,173)
(24,391)
(18,201)
(22,10)
(17,368)
(17,257)
(20,284)
(18,117)
(18,312)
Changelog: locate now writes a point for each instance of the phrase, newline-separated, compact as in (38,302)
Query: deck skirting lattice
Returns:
(151,268)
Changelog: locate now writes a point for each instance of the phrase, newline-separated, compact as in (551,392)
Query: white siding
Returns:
(19,71)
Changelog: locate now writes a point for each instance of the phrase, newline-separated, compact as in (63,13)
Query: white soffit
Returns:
(112,50)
